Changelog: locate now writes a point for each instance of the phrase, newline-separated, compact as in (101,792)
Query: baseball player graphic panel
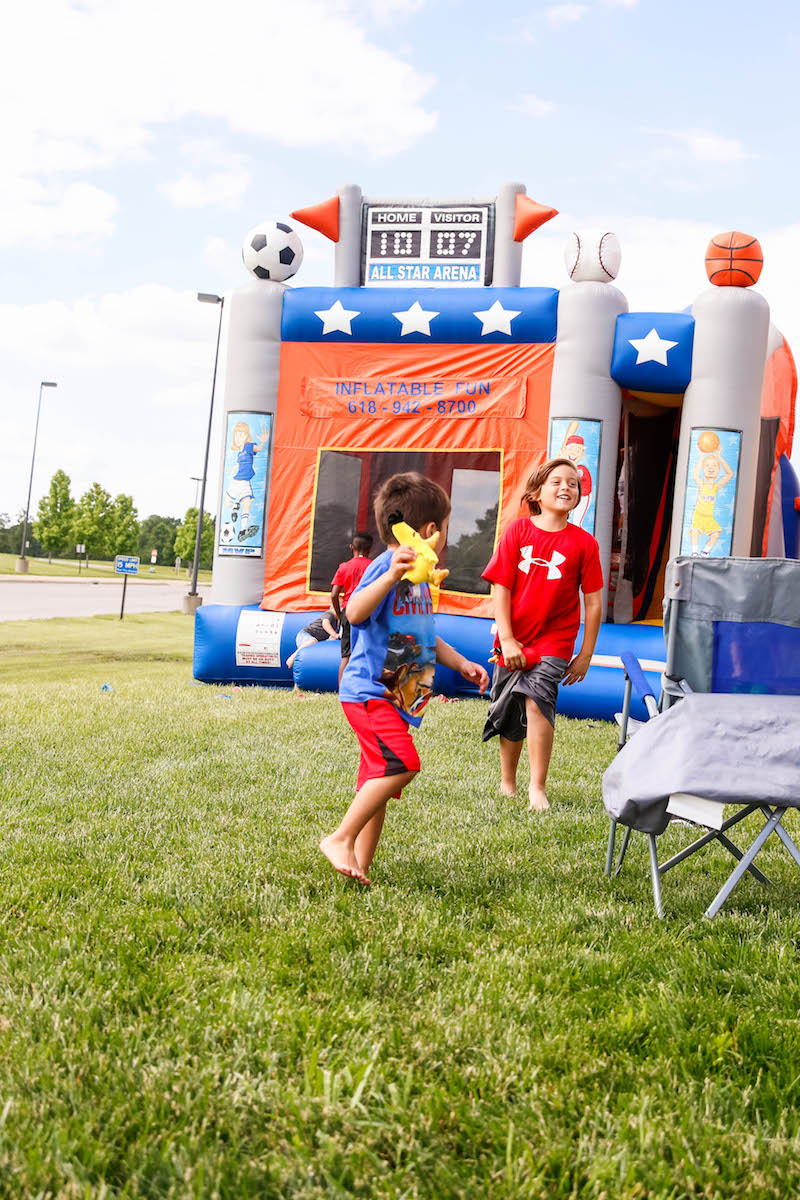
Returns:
(579,441)
(244,484)
(710,503)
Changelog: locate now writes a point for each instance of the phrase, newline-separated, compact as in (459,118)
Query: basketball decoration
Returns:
(708,442)
(734,260)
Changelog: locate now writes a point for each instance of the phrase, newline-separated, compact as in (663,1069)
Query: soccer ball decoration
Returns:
(227,535)
(593,255)
(272,251)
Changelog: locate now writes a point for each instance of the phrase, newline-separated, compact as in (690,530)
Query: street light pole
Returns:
(192,601)
(197,479)
(22,561)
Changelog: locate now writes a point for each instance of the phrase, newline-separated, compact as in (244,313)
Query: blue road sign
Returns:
(126,564)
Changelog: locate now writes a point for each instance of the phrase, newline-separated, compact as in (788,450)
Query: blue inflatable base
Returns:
(316,668)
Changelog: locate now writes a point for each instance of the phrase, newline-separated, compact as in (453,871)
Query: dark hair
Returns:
(362,542)
(536,482)
(412,498)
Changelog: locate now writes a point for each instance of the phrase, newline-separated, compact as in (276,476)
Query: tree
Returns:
(92,524)
(467,557)
(123,525)
(158,533)
(187,534)
(55,516)
(11,536)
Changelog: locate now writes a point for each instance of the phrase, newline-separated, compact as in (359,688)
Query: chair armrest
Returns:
(638,678)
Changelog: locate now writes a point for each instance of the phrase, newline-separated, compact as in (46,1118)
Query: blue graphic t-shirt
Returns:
(394,650)
(246,469)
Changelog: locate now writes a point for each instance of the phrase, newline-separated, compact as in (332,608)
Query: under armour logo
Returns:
(527,561)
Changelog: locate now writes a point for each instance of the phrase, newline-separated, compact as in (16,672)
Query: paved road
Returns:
(40,597)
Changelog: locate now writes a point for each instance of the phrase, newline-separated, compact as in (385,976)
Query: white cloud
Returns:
(621,3)
(533,106)
(223,189)
(98,80)
(225,179)
(709,147)
(565,14)
(44,215)
(389,12)
(702,146)
(134,375)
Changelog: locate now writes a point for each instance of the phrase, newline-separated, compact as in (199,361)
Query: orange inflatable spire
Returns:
(529,216)
(322,217)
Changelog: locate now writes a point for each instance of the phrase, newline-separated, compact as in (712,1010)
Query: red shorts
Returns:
(384,737)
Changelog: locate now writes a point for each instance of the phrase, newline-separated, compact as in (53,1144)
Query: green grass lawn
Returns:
(193,1004)
(68,569)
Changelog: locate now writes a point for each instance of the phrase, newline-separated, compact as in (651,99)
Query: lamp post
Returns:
(191,602)
(22,561)
(198,479)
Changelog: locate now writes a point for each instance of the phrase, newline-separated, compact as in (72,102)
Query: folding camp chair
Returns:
(732,629)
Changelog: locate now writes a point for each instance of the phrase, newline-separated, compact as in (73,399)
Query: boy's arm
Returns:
(364,601)
(326,625)
(448,656)
(336,592)
(510,648)
(696,476)
(728,472)
(592,609)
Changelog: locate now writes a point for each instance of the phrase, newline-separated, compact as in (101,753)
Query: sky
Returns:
(142,140)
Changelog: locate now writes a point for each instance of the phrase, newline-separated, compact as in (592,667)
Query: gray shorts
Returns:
(510,690)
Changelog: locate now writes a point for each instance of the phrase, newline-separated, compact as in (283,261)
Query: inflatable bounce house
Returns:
(427,355)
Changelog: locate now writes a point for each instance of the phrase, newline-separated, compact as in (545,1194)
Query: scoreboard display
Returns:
(444,244)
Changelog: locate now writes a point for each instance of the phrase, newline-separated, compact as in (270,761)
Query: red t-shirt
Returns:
(544,571)
(348,576)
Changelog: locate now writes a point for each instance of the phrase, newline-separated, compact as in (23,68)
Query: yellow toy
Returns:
(424,569)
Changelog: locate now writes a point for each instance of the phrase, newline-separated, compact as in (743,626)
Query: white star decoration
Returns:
(496,319)
(415,319)
(651,348)
(336,319)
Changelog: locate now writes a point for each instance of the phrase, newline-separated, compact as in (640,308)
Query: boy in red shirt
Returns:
(539,567)
(344,583)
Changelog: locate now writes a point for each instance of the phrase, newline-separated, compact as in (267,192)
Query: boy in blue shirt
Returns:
(389,678)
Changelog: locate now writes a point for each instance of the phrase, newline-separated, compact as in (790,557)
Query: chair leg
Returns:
(626,837)
(733,849)
(655,875)
(784,836)
(745,861)
(612,835)
(706,838)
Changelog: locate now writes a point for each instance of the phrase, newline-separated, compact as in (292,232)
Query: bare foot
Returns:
(537,799)
(342,857)
(507,789)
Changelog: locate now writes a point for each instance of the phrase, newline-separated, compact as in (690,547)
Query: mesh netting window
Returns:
(347,481)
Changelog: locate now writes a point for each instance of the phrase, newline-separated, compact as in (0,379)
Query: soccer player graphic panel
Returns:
(348,480)
(244,484)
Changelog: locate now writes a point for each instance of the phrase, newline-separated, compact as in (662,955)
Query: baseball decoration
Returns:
(734,260)
(593,256)
(272,251)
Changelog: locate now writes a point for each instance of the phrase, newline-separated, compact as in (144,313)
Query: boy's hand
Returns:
(513,654)
(475,673)
(577,668)
(403,560)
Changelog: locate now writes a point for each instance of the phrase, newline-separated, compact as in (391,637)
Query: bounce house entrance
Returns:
(347,481)
(644,513)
